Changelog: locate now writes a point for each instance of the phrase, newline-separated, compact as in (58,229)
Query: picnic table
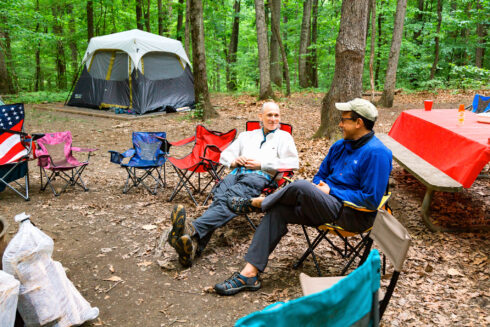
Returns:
(439,151)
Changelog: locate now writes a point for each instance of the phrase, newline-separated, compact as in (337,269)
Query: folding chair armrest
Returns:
(183,141)
(356,207)
(3,130)
(43,159)
(470,107)
(212,147)
(77,149)
(36,136)
(116,157)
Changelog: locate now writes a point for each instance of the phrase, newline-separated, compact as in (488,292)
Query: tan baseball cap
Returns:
(360,106)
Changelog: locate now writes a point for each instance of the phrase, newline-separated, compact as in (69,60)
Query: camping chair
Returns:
(341,301)
(147,159)
(352,301)
(55,154)
(204,158)
(286,174)
(351,249)
(480,104)
(15,149)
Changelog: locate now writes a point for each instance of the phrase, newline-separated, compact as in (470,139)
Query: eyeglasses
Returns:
(342,119)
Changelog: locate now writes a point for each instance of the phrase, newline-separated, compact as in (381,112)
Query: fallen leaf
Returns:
(149,227)
(114,279)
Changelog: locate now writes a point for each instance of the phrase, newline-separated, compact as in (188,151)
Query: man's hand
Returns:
(322,186)
(253,164)
(240,161)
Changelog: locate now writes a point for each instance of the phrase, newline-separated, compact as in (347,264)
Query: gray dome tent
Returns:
(137,70)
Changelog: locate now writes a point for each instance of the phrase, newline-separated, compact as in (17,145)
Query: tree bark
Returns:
(419,17)
(60,50)
(396,41)
(481,32)
(373,39)
(90,19)
(5,79)
(378,56)
(71,40)
(139,15)
(312,62)
(231,76)
(304,41)
(275,30)
(199,60)
(276,71)
(180,19)
(37,55)
(160,17)
(436,48)
(147,17)
(264,65)
(187,31)
(349,62)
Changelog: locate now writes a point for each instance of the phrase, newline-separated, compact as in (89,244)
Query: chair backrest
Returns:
(255,124)
(353,300)
(148,148)
(480,104)
(205,138)
(11,146)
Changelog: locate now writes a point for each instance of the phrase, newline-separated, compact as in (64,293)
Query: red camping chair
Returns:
(287,174)
(204,158)
(55,153)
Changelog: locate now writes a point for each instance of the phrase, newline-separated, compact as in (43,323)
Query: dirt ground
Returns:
(110,241)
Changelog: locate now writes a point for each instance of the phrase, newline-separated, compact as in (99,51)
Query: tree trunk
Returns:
(378,53)
(275,31)
(199,60)
(147,17)
(5,79)
(312,62)
(276,71)
(264,65)
(187,30)
(304,41)
(71,40)
(160,17)
(373,39)
(419,17)
(481,32)
(90,19)
(37,55)
(180,19)
(231,76)
(349,62)
(436,48)
(139,15)
(60,51)
(396,41)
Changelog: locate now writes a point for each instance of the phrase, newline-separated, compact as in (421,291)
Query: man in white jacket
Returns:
(255,156)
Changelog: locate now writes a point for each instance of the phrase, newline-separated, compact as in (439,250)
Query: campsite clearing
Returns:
(110,242)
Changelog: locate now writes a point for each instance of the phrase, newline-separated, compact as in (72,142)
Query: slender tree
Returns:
(264,65)
(373,38)
(231,74)
(90,19)
(276,71)
(5,80)
(275,30)
(303,44)
(349,62)
(187,30)
(180,19)
(147,16)
(481,32)
(436,40)
(312,59)
(199,60)
(139,15)
(60,50)
(71,40)
(396,41)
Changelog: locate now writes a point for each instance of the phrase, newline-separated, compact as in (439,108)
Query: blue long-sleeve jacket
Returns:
(357,175)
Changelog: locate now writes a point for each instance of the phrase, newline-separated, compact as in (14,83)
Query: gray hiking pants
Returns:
(298,203)
(218,213)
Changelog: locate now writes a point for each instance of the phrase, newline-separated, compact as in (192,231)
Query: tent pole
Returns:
(73,83)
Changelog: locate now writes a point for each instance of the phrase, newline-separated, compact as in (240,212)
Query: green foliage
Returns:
(29,26)
(35,97)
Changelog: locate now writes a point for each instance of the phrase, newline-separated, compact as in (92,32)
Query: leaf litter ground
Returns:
(112,244)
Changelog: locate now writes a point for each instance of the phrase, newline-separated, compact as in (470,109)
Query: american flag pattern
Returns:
(11,147)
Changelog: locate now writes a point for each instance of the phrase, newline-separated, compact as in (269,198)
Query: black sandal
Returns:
(237,283)
(241,205)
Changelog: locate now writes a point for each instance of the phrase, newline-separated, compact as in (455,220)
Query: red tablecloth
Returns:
(461,151)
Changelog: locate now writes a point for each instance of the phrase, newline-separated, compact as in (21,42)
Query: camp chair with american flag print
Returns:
(15,148)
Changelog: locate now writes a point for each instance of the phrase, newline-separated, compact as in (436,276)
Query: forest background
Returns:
(444,42)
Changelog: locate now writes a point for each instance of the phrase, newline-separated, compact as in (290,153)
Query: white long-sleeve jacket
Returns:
(274,151)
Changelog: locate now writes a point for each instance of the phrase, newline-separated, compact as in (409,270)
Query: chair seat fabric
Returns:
(351,301)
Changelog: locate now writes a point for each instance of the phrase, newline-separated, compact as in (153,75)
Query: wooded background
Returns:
(444,43)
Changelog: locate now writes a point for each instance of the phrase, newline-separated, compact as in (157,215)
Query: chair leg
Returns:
(183,179)
(311,248)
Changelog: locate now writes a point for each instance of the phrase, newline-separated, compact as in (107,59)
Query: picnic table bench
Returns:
(433,178)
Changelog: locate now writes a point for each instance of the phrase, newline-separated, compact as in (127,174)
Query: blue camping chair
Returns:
(480,104)
(147,160)
(15,150)
(343,301)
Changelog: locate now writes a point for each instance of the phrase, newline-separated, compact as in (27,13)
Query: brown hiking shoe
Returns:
(186,247)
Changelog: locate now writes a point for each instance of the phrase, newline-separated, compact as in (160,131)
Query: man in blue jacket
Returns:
(356,170)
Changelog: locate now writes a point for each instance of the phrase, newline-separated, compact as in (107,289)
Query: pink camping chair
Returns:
(55,154)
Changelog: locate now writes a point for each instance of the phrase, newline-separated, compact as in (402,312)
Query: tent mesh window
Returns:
(160,65)
(109,65)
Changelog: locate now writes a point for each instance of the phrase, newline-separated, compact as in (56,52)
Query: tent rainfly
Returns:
(137,70)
